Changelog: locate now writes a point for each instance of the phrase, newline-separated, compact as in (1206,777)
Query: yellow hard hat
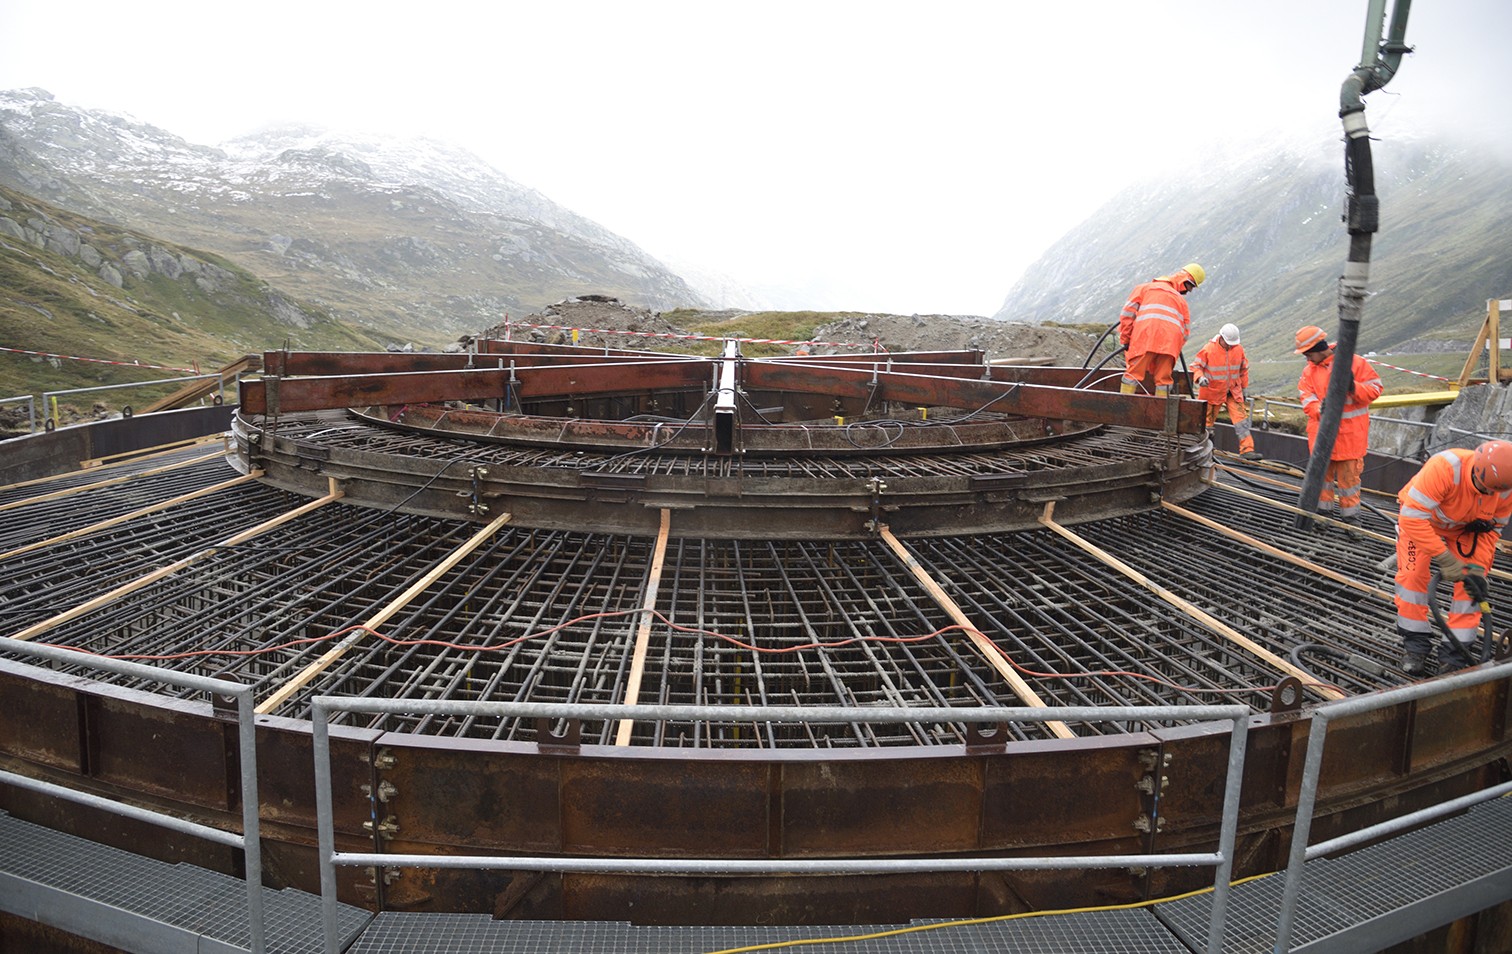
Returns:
(1198,273)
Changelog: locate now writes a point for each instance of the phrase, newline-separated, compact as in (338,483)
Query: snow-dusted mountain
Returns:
(412,237)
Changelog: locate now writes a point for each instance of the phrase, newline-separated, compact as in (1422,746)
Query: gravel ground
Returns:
(1000,339)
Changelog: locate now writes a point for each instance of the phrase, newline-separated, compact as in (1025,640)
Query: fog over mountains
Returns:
(1266,226)
(417,240)
(407,236)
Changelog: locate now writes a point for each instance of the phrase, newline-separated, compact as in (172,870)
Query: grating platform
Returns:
(140,904)
(1363,901)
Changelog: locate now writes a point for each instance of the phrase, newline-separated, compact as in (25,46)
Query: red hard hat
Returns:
(1492,466)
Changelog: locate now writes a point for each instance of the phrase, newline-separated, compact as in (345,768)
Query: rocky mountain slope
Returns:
(76,286)
(405,239)
(1267,228)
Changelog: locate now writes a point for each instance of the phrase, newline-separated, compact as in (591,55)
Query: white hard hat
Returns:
(1229,333)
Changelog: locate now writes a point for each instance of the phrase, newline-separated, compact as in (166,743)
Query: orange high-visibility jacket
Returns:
(1441,500)
(1154,319)
(1354,428)
(1225,367)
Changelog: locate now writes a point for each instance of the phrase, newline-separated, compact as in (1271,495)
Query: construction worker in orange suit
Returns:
(1153,327)
(1221,371)
(1450,517)
(1341,482)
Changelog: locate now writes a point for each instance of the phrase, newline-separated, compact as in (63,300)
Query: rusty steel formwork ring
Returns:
(591,527)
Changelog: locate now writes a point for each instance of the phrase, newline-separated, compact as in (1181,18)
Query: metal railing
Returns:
(31,409)
(1301,851)
(249,841)
(49,398)
(1222,858)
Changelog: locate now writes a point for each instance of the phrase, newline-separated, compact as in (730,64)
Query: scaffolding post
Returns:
(1488,338)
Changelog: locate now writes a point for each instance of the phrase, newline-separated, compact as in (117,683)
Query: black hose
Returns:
(1438,619)
(1088,376)
(1362,220)
(1093,353)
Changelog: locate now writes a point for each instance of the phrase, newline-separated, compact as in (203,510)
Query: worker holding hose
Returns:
(1346,465)
(1451,513)
(1153,328)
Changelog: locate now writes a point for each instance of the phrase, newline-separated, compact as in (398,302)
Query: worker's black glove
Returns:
(1476,585)
(1450,569)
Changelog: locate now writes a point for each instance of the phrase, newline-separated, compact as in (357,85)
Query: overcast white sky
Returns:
(896,157)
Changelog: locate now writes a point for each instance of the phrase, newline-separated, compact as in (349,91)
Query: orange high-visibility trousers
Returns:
(1150,363)
(1239,417)
(1413,622)
(1341,488)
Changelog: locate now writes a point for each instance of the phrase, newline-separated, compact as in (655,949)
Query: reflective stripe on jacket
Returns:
(1154,319)
(1438,503)
(1354,427)
(1225,367)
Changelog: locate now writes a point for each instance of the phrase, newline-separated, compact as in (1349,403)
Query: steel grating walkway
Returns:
(1359,902)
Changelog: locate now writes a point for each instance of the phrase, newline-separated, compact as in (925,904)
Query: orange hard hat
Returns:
(1308,338)
(1492,466)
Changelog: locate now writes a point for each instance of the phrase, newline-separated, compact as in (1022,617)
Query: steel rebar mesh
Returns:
(1081,633)
(1288,609)
(47,518)
(91,475)
(784,600)
(1091,449)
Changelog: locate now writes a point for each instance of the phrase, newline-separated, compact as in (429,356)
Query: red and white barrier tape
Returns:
(1421,374)
(126,364)
(667,334)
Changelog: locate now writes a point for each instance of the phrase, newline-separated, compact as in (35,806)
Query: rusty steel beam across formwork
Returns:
(274,395)
(329,363)
(1146,413)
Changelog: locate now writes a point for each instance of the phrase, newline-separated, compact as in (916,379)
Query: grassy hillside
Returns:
(53,300)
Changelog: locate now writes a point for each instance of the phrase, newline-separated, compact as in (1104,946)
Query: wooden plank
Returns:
(1276,552)
(643,633)
(123,518)
(110,482)
(989,650)
(315,668)
(127,588)
(1307,679)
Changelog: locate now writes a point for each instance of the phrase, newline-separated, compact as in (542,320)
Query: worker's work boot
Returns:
(1251,455)
(1415,664)
(1125,388)
(1454,657)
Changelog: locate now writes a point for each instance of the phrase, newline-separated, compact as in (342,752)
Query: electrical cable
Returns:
(971,922)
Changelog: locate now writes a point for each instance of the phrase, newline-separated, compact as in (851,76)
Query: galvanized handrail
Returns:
(1222,859)
(48,396)
(31,409)
(1301,852)
(249,841)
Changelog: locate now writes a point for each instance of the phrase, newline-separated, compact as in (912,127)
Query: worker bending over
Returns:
(1341,482)
(1221,371)
(1153,327)
(1451,515)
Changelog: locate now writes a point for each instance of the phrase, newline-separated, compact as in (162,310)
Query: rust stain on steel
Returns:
(664,807)
(1070,404)
(882,806)
(483,795)
(1064,794)
(39,721)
